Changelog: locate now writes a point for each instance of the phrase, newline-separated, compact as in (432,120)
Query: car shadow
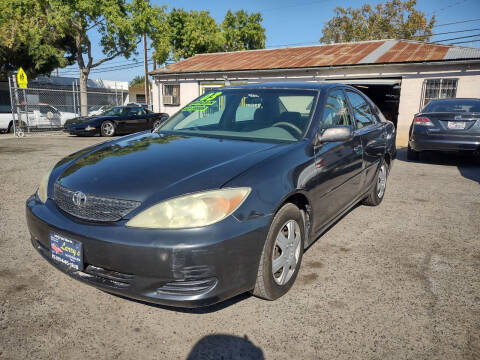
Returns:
(200,310)
(468,165)
(224,346)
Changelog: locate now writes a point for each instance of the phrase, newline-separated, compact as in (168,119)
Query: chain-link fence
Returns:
(47,108)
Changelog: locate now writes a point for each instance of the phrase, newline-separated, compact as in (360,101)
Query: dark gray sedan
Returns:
(222,199)
(446,125)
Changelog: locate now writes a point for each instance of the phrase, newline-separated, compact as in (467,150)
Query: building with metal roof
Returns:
(400,76)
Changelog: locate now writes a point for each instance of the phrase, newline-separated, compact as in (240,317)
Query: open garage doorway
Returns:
(385,93)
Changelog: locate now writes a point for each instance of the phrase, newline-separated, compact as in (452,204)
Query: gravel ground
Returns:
(398,281)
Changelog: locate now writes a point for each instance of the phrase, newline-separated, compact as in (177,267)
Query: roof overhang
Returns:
(312,69)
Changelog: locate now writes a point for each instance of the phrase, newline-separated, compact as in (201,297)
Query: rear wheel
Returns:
(282,254)
(412,154)
(375,196)
(108,128)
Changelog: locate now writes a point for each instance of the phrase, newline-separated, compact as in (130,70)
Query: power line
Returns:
(464,42)
(460,37)
(448,7)
(108,69)
(457,22)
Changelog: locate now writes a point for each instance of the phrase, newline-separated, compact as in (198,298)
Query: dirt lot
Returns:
(399,281)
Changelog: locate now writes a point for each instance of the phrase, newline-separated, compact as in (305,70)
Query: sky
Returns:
(292,23)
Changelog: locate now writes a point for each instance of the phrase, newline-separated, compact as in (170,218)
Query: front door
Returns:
(338,165)
(372,134)
(136,119)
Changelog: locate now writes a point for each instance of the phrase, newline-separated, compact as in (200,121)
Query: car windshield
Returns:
(115,111)
(255,114)
(94,108)
(458,105)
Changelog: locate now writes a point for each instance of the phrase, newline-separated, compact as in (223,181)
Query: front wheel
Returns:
(108,128)
(282,254)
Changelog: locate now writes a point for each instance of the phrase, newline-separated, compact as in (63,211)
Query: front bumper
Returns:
(440,142)
(81,131)
(186,268)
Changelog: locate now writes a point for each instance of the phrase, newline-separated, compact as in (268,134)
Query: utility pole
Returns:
(147,91)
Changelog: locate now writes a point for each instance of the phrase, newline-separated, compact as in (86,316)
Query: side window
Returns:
(362,112)
(336,110)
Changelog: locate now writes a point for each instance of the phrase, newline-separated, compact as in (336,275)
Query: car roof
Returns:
(303,85)
(454,99)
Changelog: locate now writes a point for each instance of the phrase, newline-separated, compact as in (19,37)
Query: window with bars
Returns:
(171,94)
(438,89)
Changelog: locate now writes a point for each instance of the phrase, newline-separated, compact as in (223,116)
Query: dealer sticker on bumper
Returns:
(66,251)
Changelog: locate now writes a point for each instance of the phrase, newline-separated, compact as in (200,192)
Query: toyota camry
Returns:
(222,199)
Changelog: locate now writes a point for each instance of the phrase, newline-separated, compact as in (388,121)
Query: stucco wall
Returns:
(189,90)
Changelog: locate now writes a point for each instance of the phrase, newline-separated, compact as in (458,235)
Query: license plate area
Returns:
(66,251)
(456,125)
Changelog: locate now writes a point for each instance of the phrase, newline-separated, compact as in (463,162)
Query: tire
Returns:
(107,128)
(377,192)
(271,286)
(10,128)
(412,155)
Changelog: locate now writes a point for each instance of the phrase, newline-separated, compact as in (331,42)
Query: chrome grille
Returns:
(95,208)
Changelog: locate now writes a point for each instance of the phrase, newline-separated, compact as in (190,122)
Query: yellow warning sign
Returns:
(22,79)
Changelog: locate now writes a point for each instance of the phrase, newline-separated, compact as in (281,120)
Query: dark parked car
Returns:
(115,121)
(222,199)
(446,125)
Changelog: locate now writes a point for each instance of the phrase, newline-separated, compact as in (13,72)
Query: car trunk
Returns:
(454,123)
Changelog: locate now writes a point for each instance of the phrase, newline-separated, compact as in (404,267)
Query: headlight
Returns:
(192,210)
(42,187)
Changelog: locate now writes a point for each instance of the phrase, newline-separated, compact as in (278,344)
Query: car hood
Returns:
(149,167)
(86,119)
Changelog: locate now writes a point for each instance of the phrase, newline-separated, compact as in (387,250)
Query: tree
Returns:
(119,24)
(27,40)
(54,32)
(138,80)
(395,19)
(191,33)
(197,32)
(242,31)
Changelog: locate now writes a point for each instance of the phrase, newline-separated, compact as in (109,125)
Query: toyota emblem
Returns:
(79,198)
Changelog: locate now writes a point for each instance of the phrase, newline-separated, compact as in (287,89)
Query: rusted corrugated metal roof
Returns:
(366,52)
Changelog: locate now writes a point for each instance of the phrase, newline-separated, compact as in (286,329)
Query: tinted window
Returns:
(5,109)
(460,105)
(115,111)
(262,114)
(361,110)
(336,110)
(137,111)
(248,105)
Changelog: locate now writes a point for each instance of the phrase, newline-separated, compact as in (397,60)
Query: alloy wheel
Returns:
(108,128)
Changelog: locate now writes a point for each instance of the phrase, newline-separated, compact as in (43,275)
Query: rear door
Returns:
(338,164)
(372,134)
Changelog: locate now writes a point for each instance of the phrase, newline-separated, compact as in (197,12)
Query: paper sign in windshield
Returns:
(203,103)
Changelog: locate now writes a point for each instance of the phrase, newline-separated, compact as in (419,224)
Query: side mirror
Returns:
(338,133)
